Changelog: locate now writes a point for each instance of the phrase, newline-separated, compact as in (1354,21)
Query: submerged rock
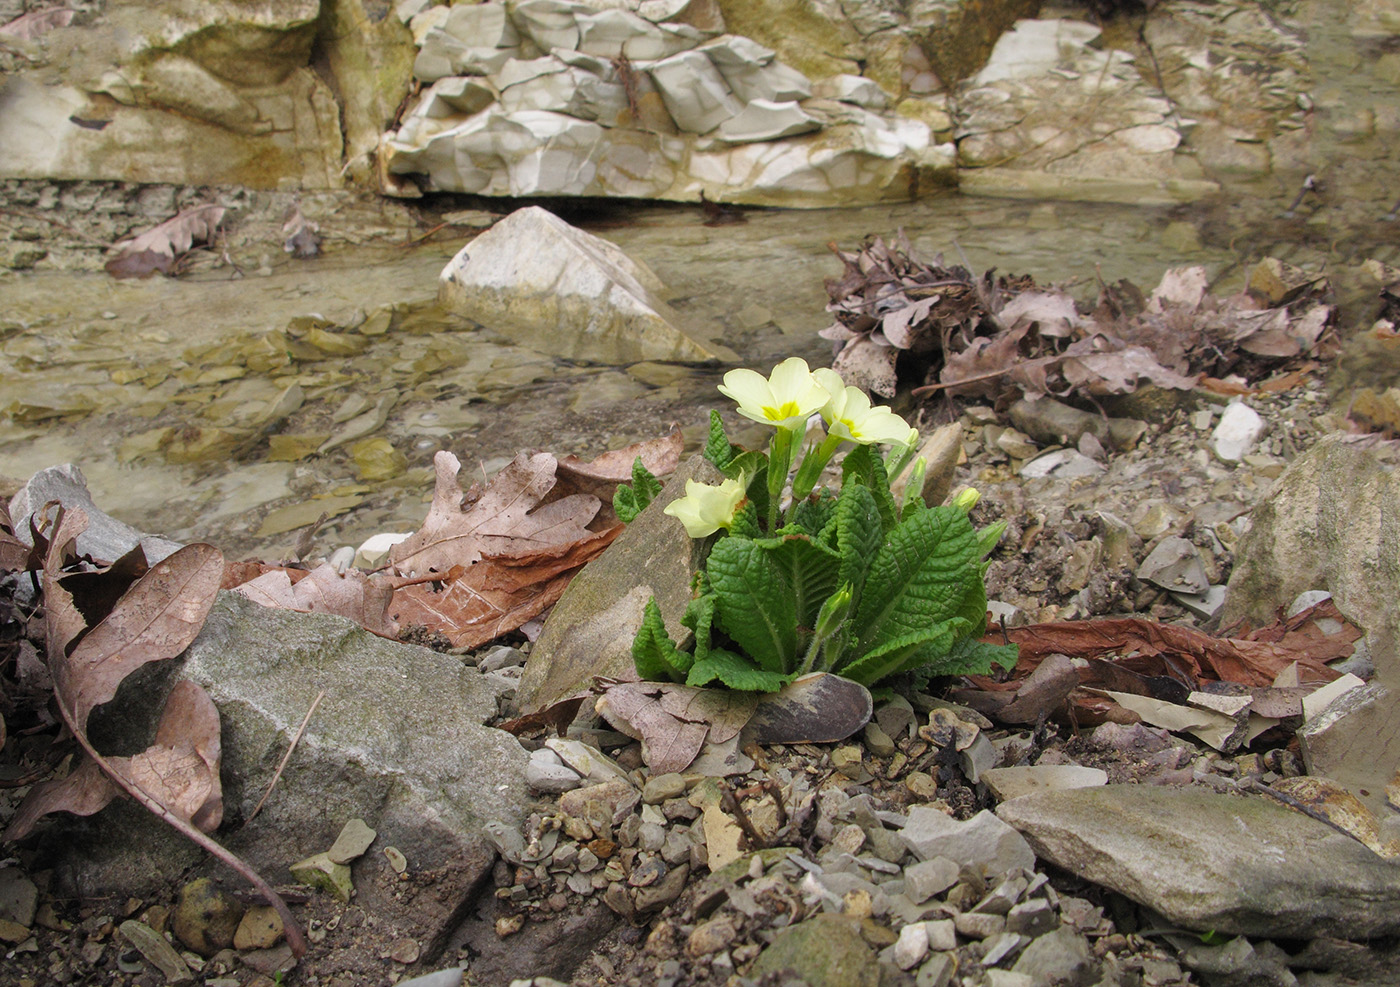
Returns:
(562,291)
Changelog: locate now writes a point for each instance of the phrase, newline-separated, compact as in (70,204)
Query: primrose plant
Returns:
(849,582)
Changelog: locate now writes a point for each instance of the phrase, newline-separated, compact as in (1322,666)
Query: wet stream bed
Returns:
(239,402)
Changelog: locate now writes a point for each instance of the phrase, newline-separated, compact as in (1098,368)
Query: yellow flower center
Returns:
(787,410)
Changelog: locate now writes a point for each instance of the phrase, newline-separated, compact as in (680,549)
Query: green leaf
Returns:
(967,656)
(699,617)
(856,535)
(970,656)
(745,523)
(863,466)
(988,537)
(756,601)
(926,573)
(654,653)
(754,465)
(813,515)
(902,653)
(717,447)
(736,672)
(629,501)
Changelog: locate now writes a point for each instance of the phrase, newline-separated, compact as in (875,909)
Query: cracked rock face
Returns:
(647,102)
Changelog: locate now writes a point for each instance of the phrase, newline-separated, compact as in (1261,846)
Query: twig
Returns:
(990,375)
(286,757)
(731,805)
(295,939)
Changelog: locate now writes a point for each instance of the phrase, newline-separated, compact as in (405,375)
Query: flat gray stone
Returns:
(1010,783)
(983,841)
(1239,866)
(397,741)
(590,630)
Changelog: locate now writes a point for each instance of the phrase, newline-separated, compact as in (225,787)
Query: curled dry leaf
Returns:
(180,769)
(496,594)
(351,594)
(601,476)
(511,514)
(1003,338)
(36,23)
(158,248)
(674,721)
(156,618)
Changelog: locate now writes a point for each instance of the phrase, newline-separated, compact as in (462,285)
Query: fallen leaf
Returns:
(497,593)
(511,514)
(36,23)
(1329,802)
(673,721)
(180,769)
(556,717)
(601,476)
(84,791)
(156,619)
(159,248)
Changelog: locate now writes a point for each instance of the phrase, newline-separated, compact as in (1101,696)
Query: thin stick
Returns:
(289,923)
(286,757)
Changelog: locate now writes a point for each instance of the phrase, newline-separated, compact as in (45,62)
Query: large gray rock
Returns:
(222,93)
(565,292)
(397,741)
(1331,522)
(1238,866)
(590,630)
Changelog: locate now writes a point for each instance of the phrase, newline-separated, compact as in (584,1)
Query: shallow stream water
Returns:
(161,390)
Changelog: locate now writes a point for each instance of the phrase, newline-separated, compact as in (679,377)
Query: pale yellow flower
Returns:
(786,399)
(705,509)
(849,415)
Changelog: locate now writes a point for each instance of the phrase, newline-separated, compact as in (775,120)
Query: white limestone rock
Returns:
(550,23)
(1034,47)
(565,292)
(443,55)
(1073,122)
(694,92)
(453,96)
(1237,433)
(763,120)
(854,89)
(752,71)
(485,25)
(615,33)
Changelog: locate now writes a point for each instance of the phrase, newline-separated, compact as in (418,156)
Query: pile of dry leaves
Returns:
(1004,338)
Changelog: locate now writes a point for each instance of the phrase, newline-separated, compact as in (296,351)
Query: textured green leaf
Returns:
(654,653)
(813,515)
(927,572)
(863,466)
(858,536)
(756,601)
(754,465)
(699,617)
(717,447)
(902,653)
(970,656)
(629,501)
(736,672)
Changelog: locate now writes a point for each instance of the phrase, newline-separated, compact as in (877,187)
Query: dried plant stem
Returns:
(276,775)
(295,939)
